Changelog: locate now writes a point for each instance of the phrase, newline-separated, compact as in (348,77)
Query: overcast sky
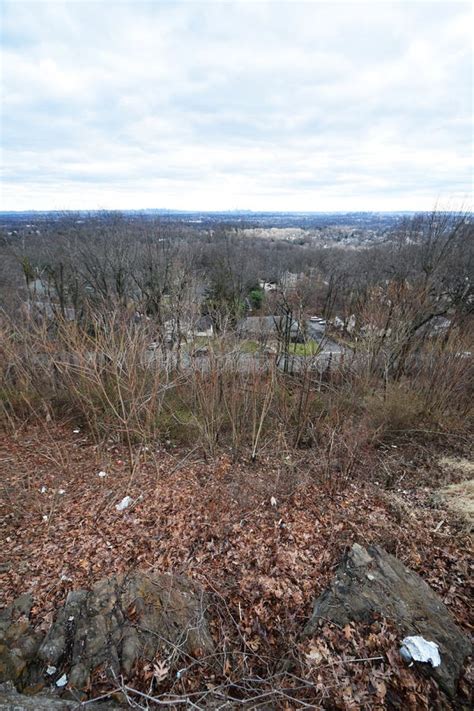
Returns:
(236,105)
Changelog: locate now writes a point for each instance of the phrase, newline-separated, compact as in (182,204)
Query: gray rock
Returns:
(124,619)
(22,605)
(11,700)
(19,642)
(371,581)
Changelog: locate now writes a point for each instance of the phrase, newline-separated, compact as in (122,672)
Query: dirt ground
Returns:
(262,538)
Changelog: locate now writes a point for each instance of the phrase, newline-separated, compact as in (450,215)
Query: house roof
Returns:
(204,323)
(264,325)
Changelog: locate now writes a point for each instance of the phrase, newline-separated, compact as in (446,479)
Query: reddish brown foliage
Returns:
(262,564)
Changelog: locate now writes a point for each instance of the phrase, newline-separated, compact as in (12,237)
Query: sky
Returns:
(298,106)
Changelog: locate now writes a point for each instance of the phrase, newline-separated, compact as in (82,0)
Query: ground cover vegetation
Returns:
(180,362)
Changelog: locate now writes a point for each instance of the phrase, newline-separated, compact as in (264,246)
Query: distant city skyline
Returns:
(218,106)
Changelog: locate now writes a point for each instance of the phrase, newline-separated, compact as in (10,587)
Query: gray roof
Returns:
(204,323)
(264,325)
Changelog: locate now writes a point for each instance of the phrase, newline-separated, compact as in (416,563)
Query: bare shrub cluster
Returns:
(106,333)
(107,378)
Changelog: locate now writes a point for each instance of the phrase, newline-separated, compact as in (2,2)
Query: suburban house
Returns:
(48,310)
(203,328)
(289,280)
(263,328)
(267,285)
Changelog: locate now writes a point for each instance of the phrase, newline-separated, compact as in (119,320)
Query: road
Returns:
(330,355)
(328,345)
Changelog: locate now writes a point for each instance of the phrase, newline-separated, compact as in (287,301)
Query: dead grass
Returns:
(459,498)
(464,467)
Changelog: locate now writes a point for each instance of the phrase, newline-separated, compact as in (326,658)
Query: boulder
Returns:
(121,621)
(11,700)
(370,582)
(124,619)
(19,642)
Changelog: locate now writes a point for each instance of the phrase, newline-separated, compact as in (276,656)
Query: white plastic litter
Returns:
(125,503)
(102,474)
(50,670)
(43,489)
(418,649)
(61,491)
(62,681)
(76,430)
(273,501)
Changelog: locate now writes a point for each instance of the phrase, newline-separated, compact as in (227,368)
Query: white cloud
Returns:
(223,105)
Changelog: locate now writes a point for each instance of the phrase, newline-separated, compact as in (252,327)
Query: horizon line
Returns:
(222,212)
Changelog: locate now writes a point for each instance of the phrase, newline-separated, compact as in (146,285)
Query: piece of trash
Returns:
(273,501)
(370,577)
(125,503)
(70,618)
(50,670)
(61,491)
(45,518)
(65,579)
(62,681)
(418,649)
(76,431)
(43,490)
(102,474)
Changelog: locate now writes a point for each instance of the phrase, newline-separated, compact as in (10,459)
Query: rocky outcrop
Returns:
(11,700)
(107,630)
(371,582)
(19,642)
(124,619)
